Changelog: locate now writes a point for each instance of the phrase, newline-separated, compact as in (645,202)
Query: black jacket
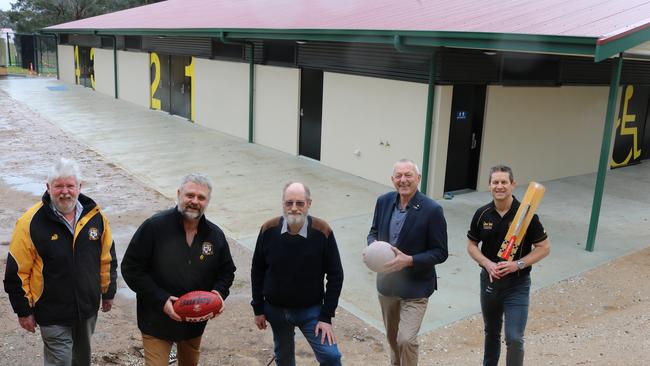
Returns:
(55,276)
(158,263)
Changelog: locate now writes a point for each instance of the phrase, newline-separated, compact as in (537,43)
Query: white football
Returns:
(377,254)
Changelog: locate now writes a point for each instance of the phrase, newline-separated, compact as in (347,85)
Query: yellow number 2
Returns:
(155,61)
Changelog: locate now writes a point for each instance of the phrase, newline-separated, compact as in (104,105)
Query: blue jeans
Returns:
(507,299)
(283,322)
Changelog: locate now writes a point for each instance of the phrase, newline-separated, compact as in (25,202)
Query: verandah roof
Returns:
(600,28)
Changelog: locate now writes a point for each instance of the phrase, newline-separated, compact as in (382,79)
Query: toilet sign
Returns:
(461,115)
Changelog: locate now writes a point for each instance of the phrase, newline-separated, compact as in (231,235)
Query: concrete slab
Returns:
(160,149)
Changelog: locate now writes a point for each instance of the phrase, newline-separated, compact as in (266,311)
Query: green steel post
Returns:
(56,53)
(398,44)
(251,92)
(428,123)
(35,46)
(115,64)
(251,80)
(8,51)
(604,152)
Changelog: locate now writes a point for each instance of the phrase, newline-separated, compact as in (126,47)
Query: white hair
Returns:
(403,161)
(64,168)
(199,179)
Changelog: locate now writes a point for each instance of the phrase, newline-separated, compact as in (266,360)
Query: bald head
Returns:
(296,187)
(295,205)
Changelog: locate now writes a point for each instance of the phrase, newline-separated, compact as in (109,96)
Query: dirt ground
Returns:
(601,317)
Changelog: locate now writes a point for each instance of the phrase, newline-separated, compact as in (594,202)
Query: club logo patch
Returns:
(93,233)
(487,225)
(54,237)
(207,248)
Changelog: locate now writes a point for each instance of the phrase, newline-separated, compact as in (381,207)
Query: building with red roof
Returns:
(456,85)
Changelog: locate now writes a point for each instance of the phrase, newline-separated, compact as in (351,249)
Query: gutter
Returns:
(585,46)
(115,64)
(251,82)
(428,122)
(97,33)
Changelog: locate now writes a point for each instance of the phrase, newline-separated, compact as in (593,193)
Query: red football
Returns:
(198,306)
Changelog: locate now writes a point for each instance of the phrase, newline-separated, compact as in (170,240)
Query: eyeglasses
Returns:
(297,203)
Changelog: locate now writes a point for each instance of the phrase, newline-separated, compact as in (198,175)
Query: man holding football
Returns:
(174,252)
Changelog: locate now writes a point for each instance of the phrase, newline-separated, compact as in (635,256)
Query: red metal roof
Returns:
(602,19)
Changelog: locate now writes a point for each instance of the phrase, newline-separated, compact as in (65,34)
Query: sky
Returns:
(5,4)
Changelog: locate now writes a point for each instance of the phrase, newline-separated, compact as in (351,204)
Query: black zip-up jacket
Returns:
(158,263)
(54,275)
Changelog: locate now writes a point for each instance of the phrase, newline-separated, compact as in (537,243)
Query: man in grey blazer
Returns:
(416,228)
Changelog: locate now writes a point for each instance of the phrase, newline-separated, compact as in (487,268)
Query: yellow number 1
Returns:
(189,71)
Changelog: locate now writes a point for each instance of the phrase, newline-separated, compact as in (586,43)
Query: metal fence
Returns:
(28,54)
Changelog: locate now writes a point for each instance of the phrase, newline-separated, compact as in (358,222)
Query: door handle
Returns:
(473,140)
(302,112)
(182,88)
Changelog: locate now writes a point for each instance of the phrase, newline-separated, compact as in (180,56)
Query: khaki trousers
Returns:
(156,351)
(402,319)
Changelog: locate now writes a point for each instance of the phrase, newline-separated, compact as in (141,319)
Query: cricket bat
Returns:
(520,223)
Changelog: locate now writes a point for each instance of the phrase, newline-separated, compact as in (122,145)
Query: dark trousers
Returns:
(68,345)
(506,299)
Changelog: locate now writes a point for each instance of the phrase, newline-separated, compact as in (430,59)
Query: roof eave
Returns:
(610,46)
(492,41)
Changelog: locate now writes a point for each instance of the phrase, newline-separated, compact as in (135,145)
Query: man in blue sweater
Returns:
(293,255)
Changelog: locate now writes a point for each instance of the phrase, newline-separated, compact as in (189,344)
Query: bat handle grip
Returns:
(511,244)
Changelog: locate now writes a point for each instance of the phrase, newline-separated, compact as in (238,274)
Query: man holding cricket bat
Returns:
(511,240)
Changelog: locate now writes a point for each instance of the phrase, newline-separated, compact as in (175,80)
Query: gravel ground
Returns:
(601,317)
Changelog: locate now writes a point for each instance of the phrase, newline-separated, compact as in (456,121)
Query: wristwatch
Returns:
(521,265)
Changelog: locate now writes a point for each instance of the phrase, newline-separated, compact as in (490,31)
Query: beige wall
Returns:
(277,98)
(221,96)
(66,64)
(104,72)
(133,77)
(439,140)
(542,133)
(369,123)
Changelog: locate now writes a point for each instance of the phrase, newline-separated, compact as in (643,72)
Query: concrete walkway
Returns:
(160,149)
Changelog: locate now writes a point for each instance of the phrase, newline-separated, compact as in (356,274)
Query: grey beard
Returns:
(189,215)
(297,219)
(64,209)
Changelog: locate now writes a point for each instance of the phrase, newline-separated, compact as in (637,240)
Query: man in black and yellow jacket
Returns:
(61,262)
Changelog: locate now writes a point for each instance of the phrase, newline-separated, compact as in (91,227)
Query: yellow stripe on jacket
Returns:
(106,257)
(30,263)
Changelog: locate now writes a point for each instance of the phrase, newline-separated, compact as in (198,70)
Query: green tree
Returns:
(4,20)
(32,15)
